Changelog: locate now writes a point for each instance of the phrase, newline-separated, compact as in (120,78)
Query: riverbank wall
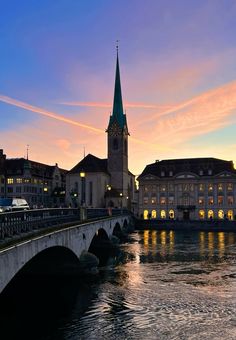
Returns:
(192,225)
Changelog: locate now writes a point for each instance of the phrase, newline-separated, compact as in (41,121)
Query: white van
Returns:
(13,204)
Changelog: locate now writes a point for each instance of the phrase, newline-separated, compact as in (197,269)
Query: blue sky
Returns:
(178,69)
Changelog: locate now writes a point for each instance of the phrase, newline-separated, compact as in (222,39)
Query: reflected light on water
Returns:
(211,237)
(221,243)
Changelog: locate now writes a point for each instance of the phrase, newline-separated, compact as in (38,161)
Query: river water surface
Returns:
(162,285)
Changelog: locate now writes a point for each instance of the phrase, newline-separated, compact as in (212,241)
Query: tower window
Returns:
(115,144)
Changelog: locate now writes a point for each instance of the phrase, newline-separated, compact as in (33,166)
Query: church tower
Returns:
(117,138)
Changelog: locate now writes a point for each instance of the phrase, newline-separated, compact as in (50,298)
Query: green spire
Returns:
(117,103)
(118,113)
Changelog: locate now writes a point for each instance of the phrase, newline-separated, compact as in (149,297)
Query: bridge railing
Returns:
(16,223)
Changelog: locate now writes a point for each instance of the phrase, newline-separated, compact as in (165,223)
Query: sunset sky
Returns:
(178,76)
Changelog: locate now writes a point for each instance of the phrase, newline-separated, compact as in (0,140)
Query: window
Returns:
(10,189)
(171,214)
(163,188)
(171,173)
(230,200)
(201,187)
(210,187)
(163,214)
(146,189)
(179,187)
(171,200)
(10,181)
(210,214)
(210,200)
(185,187)
(220,187)
(90,193)
(145,200)
(191,187)
(162,200)
(200,172)
(220,200)
(19,180)
(221,214)
(201,200)
(171,187)
(230,187)
(115,144)
(18,189)
(145,214)
(154,214)
(162,173)
(153,200)
(230,214)
(209,172)
(201,214)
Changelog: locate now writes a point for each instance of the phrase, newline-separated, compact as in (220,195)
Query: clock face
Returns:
(115,130)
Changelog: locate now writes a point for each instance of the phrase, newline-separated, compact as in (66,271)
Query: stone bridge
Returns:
(67,243)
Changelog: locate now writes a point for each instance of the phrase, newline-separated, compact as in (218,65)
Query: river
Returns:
(161,285)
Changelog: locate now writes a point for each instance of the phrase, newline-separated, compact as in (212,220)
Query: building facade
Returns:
(96,182)
(189,189)
(40,184)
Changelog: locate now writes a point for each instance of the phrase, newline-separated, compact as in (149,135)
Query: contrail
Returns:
(61,118)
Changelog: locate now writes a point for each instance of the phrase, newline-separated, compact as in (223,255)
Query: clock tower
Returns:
(117,141)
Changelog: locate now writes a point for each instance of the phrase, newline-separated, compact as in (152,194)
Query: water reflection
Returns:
(166,244)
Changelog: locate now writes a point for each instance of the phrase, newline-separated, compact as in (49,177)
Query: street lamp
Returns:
(83,192)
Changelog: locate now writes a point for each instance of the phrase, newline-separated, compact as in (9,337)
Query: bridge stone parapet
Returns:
(77,238)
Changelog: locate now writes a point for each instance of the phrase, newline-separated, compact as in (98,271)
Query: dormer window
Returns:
(209,172)
(200,172)
(162,173)
(171,173)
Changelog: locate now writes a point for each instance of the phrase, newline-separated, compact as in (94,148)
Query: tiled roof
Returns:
(172,167)
(90,163)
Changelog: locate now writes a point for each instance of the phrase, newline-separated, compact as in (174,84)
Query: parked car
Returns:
(13,204)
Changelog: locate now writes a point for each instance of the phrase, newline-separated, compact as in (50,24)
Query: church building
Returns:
(98,183)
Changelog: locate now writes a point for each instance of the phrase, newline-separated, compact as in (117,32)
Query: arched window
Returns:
(115,143)
(230,214)
(154,214)
(210,214)
(221,214)
(201,214)
(171,214)
(163,214)
(145,214)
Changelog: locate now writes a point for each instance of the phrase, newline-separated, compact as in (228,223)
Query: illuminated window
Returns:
(201,214)
(163,200)
(191,187)
(171,199)
(230,200)
(145,214)
(230,214)
(10,181)
(201,187)
(221,214)
(145,200)
(210,214)
(210,200)
(154,214)
(210,187)
(163,188)
(220,187)
(146,189)
(153,200)
(171,214)
(229,186)
(19,180)
(201,200)
(185,187)
(163,214)
(220,200)
(26,180)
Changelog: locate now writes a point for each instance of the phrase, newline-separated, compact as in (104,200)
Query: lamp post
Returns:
(83,195)
(121,202)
